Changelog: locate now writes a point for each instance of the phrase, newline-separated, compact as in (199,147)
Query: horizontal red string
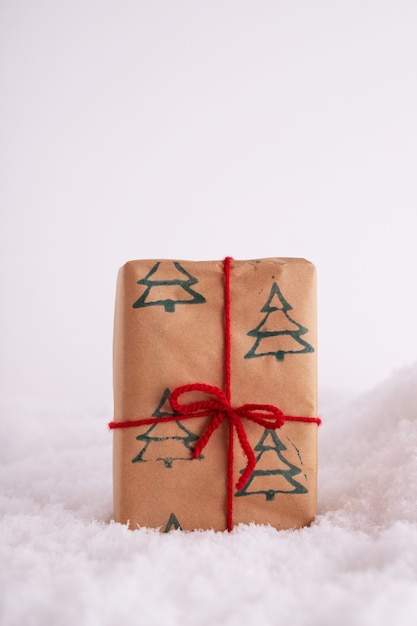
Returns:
(149,420)
(172,418)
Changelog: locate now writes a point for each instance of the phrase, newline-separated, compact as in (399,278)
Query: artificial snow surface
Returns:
(63,561)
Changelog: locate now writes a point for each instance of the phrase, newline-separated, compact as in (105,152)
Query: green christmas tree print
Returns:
(167,448)
(168,285)
(172,524)
(273,473)
(277,334)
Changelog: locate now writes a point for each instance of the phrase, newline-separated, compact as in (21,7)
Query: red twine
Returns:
(220,408)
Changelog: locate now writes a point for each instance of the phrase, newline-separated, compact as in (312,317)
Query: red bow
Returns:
(265,415)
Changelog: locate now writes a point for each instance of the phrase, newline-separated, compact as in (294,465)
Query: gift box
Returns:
(215,394)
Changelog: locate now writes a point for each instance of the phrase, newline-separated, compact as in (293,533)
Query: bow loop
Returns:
(266,415)
(203,407)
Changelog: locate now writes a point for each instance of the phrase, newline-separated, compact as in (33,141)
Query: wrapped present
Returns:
(215,394)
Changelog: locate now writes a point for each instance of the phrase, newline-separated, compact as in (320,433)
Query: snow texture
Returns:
(64,562)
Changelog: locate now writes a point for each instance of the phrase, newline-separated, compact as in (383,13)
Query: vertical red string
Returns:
(230,486)
(227,333)
(227,388)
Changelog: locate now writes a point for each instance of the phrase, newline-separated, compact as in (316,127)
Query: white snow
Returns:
(64,561)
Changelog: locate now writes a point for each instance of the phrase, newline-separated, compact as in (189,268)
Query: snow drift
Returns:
(64,561)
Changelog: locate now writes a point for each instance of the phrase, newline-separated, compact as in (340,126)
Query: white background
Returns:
(200,129)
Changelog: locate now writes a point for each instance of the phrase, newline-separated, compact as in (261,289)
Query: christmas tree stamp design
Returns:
(172,524)
(168,285)
(166,441)
(273,473)
(277,334)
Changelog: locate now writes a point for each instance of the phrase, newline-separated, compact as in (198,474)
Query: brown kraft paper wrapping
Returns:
(169,331)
